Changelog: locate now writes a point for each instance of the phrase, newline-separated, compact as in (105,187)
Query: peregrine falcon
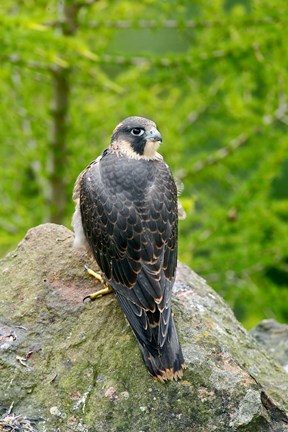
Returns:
(126,213)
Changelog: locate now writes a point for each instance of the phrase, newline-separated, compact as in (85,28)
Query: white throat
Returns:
(150,150)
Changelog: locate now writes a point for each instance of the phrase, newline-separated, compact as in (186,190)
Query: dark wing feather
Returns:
(129,216)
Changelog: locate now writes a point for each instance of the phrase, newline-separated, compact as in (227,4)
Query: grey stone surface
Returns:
(76,367)
(274,337)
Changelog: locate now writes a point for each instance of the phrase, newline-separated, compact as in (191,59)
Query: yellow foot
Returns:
(104,291)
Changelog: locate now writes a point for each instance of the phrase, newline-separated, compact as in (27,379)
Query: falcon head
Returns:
(136,137)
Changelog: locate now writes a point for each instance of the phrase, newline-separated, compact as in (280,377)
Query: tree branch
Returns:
(222,153)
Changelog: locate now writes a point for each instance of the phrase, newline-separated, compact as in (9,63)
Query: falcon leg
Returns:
(104,291)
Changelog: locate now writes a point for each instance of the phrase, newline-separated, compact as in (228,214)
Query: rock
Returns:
(274,337)
(77,367)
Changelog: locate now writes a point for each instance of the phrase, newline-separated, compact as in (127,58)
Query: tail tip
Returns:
(170,374)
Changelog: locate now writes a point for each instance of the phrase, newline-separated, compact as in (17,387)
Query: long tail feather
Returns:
(165,361)
(169,363)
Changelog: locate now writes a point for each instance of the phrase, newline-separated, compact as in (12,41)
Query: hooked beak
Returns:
(153,135)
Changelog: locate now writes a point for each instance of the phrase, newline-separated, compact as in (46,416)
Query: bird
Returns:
(126,214)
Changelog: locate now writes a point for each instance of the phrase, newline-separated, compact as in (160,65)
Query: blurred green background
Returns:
(212,75)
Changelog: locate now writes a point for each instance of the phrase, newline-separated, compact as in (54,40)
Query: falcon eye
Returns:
(137,131)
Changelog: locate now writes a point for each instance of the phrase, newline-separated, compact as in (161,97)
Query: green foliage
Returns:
(213,77)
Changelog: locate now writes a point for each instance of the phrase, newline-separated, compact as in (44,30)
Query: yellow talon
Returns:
(98,294)
(104,291)
(95,275)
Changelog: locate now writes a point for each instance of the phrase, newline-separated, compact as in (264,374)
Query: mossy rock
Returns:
(71,366)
